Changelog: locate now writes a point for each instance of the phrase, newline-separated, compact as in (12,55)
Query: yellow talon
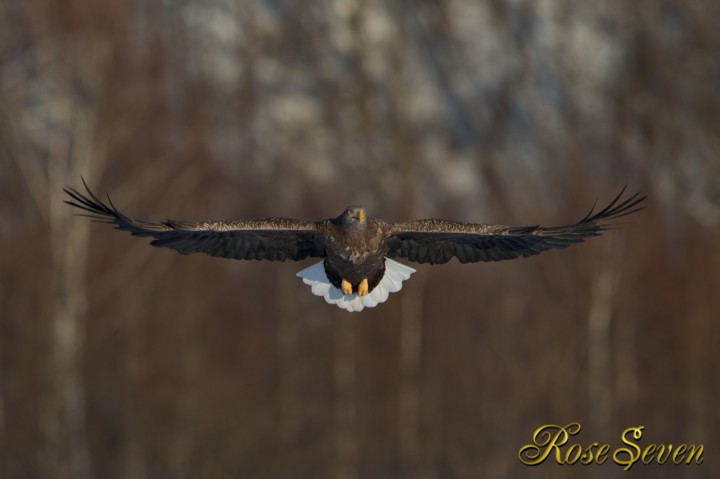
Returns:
(363,288)
(346,287)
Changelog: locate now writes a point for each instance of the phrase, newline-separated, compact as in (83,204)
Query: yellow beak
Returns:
(360,215)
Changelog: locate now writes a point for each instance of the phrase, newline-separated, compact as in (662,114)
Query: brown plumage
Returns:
(354,247)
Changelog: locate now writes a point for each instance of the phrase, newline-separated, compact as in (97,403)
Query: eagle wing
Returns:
(274,239)
(436,241)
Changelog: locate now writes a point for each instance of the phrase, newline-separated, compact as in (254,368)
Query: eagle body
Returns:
(357,267)
(354,252)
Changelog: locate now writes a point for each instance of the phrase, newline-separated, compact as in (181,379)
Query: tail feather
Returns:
(395,274)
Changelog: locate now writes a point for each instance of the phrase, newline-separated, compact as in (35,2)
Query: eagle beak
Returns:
(360,216)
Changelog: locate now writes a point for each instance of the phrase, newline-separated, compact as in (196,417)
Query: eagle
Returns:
(357,252)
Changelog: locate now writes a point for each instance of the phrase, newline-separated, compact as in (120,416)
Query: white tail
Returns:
(395,274)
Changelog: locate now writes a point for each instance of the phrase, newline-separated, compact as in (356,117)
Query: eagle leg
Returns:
(363,287)
(346,287)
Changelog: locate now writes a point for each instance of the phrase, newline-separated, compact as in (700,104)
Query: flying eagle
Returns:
(358,267)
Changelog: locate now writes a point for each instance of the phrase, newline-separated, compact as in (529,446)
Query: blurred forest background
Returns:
(118,360)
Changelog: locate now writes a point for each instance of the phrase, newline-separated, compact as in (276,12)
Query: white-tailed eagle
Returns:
(357,268)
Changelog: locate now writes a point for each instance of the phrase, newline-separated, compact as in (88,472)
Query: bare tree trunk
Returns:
(409,388)
(290,365)
(2,368)
(698,355)
(600,381)
(68,451)
(132,423)
(626,364)
(135,278)
(346,441)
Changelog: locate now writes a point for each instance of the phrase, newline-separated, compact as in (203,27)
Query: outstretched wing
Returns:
(275,239)
(437,241)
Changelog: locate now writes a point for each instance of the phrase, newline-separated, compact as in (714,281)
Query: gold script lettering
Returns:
(619,452)
(602,453)
(678,455)
(554,440)
(647,455)
(692,448)
(661,449)
(547,439)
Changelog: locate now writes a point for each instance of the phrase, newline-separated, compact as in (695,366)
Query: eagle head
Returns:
(352,216)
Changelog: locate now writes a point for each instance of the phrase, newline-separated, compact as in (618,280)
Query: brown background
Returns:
(118,360)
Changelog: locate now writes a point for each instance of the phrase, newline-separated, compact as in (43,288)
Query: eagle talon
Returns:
(346,288)
(363,287)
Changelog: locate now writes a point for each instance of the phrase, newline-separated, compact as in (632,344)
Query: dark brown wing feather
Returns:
(437,241)
(275,239)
